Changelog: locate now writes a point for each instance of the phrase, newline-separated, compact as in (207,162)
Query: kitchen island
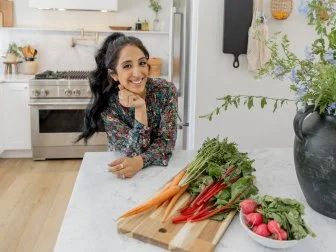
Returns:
(99,197)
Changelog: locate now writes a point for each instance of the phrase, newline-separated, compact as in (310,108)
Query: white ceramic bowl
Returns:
(267,242)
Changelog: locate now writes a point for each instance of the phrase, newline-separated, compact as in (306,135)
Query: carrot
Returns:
(163,204)
(173,202)
(158,199)
(178,178)
(165,187)
(174,181)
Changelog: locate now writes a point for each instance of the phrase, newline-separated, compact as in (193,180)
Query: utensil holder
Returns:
(29,67)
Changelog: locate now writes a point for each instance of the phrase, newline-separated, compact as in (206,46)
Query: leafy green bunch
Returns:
(313,78)
(155,5)
(220,165)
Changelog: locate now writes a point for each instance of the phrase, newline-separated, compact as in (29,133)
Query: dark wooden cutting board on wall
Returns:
(6,8)
(237,20)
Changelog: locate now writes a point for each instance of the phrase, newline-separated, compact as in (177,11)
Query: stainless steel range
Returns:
(57,104)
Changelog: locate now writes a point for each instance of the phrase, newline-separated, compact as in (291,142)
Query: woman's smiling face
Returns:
(132,70)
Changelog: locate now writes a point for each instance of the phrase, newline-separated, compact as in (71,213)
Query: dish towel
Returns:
(257,52)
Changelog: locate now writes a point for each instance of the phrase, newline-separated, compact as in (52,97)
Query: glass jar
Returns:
(156,23)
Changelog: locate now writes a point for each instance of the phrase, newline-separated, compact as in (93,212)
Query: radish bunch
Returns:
(255,221)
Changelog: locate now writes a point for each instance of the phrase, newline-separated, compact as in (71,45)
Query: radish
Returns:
(254,219)
(281,235)
(254,228)
(248,206)
(273,226)
(262,230)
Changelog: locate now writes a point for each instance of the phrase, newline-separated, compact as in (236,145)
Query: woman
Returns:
(139,113)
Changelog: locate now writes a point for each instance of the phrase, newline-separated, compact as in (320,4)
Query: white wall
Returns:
(54,50)
(215,77)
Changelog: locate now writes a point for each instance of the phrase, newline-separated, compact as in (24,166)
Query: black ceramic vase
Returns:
(315,159)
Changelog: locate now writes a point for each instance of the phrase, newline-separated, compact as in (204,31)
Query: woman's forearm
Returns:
(141,114)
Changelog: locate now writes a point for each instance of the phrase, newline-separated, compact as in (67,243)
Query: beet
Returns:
(248,206)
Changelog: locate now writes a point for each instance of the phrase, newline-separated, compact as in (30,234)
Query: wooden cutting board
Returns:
(6,7)
(200,236)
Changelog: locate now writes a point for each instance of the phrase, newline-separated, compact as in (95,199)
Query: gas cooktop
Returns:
(72,75)
(60,84)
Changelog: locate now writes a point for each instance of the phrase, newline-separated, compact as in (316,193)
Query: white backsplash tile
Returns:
(55,51)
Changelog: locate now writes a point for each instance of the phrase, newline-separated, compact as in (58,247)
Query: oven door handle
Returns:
(58,103)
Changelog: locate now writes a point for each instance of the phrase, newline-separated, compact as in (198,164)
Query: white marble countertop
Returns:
(99,197)
(15,78)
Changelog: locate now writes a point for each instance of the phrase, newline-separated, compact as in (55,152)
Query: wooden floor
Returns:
(33,199)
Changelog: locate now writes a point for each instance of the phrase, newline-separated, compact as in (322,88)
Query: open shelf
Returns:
(107,30)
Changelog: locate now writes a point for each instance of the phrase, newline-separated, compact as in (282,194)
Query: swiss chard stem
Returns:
(201,194)
(180,219)
(222,209)
(216,190)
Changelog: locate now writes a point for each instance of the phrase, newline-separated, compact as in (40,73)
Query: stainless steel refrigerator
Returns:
(178,70)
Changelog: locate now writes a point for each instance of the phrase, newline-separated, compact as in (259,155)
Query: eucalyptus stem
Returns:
(234,100)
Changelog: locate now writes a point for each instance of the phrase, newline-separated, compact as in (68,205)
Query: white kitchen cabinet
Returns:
(1,118)
(16,115)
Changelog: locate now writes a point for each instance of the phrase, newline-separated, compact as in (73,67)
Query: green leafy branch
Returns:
(247,100)
(155,5)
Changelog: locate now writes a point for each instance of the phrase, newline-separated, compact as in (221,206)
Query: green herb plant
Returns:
(155,5)
(14,49)
(313,78)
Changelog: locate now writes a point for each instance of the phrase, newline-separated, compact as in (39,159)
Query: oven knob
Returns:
(44,92)
(35,92)
(67,92)
(76,92)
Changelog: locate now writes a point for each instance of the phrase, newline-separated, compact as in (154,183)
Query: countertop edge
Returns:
(6,78)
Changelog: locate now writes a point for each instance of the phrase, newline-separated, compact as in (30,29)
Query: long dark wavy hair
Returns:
(101,83)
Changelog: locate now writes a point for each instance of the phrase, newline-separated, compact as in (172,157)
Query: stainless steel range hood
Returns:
(78,5)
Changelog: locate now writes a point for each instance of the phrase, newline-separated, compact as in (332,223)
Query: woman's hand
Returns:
(129,99)
(126,167)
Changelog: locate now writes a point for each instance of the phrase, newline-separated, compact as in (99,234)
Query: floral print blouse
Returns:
(154,142)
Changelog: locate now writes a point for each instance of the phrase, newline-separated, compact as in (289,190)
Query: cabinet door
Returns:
(1,118)
(16,116)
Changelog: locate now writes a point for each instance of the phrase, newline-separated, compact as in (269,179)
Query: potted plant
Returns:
(313,79)
(156,7)
(13,52)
